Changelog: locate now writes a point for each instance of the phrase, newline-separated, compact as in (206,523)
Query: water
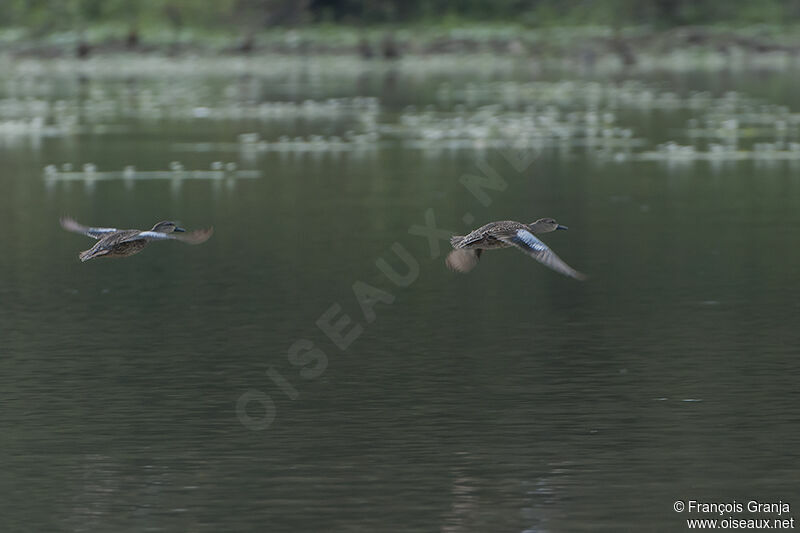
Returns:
(511,399)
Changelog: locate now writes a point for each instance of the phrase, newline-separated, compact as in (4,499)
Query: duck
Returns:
(113,242)
(505,234)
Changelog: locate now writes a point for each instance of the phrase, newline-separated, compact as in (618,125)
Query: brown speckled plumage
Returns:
(112,242)
(504,234)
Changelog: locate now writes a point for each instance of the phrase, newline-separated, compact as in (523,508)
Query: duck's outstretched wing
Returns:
(463,260)
(528,243)
(70,224)
(198,236)
(194,237)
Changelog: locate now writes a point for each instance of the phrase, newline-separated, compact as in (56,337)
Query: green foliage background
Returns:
(43,16)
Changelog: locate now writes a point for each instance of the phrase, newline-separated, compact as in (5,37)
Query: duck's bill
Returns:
(179,230)
(561,227)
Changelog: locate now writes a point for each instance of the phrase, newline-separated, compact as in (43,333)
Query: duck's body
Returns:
(112,242)
(505,234)
(487,237)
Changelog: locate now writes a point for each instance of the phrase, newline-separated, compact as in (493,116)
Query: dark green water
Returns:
(511,399)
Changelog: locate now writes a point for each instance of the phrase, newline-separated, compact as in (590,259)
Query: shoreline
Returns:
(587,44)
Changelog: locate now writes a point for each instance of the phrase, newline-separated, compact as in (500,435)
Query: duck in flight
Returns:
(504,234)
(112,242)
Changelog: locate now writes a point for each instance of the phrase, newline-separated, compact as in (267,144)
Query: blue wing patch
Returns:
(526,239)
(153,235)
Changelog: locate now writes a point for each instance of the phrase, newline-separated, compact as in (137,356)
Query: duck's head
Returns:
(167,226)
(546,225)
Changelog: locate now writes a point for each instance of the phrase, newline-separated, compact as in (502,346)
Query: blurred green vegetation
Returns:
(40,17)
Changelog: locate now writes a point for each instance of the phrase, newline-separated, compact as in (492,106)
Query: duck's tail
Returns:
(455,240)
(91,253)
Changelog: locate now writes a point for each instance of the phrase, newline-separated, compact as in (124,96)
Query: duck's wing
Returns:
(194,237)
(198,236)
(70,224)
(462,260)
(528,243)
(472,237)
